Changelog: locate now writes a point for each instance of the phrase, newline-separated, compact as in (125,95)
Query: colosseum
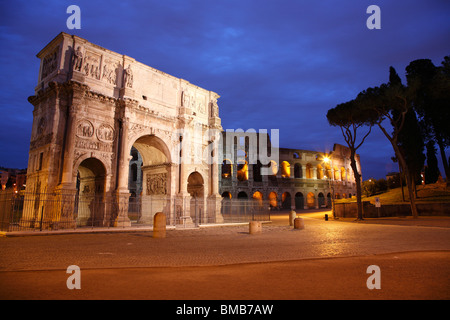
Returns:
(301,179)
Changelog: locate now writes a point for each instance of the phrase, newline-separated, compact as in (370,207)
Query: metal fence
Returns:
(23,211)
(244,210)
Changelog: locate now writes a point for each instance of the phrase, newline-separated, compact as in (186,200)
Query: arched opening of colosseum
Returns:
(343,174)
(297,170)
(242,171)
(321,199)
(273,167)
(337,174)
(258,196)
(242,195)
(285,169)
(91,182)
(328,172)
(257,177)
(226,195)
(309,171)
(319,172)
(329,200)
(273,170)
(258,199)
(273,200)
(299,201)
(286,201)
(227,169)
(310,200)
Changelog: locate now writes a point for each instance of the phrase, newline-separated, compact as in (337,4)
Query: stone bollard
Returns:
(159,225)
(292,216)
(255,227)
(299,224)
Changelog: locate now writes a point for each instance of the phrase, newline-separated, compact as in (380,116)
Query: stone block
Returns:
(292,216)
(299,224)
(255,227)
(159,225)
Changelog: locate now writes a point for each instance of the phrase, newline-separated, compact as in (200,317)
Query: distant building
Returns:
(13,178)
(392,175)
(301,179)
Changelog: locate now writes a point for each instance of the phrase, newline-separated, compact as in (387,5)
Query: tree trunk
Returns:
(444,160)
(401,179)
(358,185)
(402,161)
(412,198)
(415,189)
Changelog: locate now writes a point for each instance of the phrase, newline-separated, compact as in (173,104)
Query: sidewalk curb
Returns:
(10,234)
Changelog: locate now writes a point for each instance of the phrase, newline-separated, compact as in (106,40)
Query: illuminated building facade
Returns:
(300,179)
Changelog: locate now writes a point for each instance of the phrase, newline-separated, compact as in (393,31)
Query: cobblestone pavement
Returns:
(220,245)
(229,248)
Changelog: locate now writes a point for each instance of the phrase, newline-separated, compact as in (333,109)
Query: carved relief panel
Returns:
(50,63)
(91,65)
(105,133)
(110,71)
(156,183)
(85,129)
(102,140)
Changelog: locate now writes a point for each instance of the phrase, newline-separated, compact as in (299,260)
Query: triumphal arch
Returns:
(93,106)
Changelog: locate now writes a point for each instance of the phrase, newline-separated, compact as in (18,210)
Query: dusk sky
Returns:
(276,64)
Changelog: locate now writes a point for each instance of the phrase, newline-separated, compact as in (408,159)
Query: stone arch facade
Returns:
(94,103)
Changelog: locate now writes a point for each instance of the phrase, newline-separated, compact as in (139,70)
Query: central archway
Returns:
(151,192)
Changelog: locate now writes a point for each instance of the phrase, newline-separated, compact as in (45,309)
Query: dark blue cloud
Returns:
(276,64)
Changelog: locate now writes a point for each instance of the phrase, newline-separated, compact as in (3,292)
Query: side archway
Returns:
(196,189)
(91,185)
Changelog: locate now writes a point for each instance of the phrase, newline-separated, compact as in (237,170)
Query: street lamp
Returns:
(327,159)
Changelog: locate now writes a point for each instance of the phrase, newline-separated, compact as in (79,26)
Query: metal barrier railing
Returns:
(21,211)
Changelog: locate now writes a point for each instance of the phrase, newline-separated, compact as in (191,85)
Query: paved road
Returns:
(326,260)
